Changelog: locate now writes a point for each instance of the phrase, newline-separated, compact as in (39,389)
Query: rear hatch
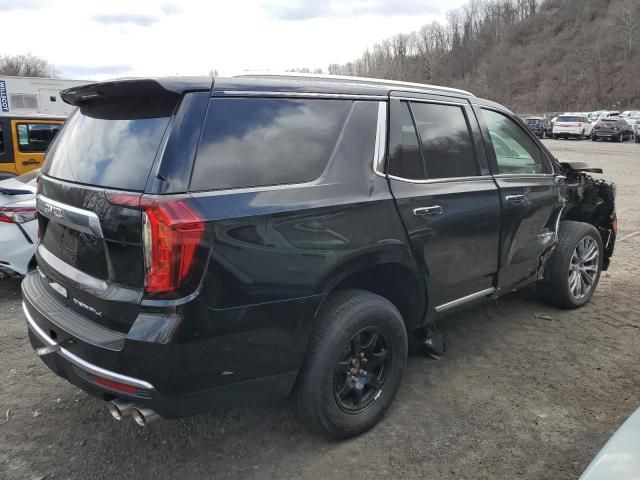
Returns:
(568,123)
(606,126)
(91,226)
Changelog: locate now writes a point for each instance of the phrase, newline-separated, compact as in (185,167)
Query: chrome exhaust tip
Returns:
(120,408)
(144,416)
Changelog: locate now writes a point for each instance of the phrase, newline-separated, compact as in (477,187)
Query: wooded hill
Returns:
(531,55)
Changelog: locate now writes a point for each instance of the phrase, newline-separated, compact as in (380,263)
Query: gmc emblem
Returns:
(51,211)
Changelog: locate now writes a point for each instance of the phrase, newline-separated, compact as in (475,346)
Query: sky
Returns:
(93,39)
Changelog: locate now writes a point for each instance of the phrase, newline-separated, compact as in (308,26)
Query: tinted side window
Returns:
(405,159)
(250,142)
(446,141)
(516,152)
(36,137)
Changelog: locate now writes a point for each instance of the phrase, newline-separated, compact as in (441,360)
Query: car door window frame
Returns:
(479,150)
(491,155)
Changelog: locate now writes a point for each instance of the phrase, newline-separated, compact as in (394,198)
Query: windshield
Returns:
(107,147)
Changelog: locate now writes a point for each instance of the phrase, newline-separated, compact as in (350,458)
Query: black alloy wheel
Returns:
(360,374)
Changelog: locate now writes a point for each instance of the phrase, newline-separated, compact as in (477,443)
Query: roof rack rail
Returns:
(381,81)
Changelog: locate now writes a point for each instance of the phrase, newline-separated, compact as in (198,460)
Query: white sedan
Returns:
(18,224)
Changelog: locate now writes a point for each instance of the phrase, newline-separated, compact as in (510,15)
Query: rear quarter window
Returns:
(252,142)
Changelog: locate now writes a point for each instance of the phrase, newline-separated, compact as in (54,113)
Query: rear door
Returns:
(31,138)
(447,200)
(529,195)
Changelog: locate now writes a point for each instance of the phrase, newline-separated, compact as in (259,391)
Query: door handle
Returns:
(515,199)
(427,211)
(31,161)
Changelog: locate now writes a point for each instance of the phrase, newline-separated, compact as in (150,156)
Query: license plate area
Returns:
(78,249)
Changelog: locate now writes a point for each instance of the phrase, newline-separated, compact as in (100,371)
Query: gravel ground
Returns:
(525,391)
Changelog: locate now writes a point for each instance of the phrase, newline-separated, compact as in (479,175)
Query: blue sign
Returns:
(4,101)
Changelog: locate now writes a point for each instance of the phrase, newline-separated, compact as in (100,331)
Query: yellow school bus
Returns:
(23,141)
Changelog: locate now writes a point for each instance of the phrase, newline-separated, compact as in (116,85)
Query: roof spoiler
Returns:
(132,87)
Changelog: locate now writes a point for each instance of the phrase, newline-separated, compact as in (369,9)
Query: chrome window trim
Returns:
(474,178)
(87,281)
(76,218)
(273,93)
(465,299)
(381,140)
(79,362)
(524,175)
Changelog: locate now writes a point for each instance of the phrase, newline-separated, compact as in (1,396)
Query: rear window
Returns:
(110,144)
(251,142)
(533,121)
(569,119)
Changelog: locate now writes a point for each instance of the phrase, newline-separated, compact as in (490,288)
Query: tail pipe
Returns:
(120,408)
(144,416)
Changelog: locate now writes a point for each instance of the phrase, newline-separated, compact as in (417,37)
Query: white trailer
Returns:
(31,95)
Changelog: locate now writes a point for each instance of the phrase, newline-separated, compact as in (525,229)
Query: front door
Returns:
(31,138)
(449,204)
(529,194)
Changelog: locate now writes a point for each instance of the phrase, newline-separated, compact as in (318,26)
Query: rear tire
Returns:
(572,273)
(333,362)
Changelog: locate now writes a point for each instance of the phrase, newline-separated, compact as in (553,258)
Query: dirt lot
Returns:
(525,391)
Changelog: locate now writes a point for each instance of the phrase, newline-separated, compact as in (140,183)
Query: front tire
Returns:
(573,270)
(354,365)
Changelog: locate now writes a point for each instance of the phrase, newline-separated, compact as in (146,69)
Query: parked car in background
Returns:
(614,129)
(633,120)
(540,126)
(23,141)
(572,126)
(326,220)
(18,225)
(619,459)
(602,114)
(629,113)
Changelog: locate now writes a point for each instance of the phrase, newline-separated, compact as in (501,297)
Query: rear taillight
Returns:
(171,234)
(17,214)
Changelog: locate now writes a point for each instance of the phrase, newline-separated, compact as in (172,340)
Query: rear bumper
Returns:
(173,379)
(83,374)
(605,134)
(568,132)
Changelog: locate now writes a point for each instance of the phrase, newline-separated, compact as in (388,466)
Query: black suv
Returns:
(205,245)
(540,126)
(614,128)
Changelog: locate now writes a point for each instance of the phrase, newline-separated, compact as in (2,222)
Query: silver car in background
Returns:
(18,224)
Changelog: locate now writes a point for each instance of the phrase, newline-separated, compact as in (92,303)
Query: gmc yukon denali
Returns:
(204,244)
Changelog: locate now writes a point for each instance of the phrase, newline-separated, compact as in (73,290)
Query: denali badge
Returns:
(51,211)
(84,305)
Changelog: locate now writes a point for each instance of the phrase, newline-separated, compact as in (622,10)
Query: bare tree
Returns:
(432,46)
(26,66)
(627,21)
